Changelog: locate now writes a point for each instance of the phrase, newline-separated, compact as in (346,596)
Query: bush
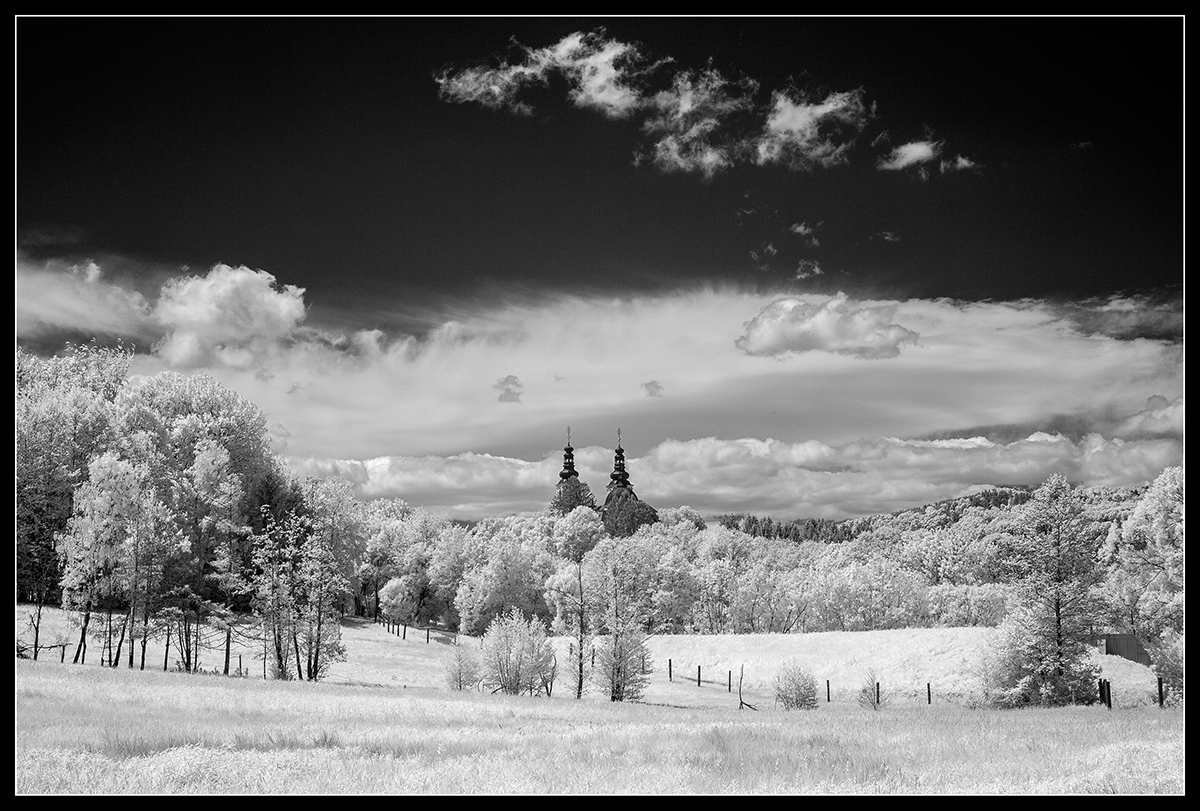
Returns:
(462,669)
(795,687)
(1168,664)
(870,695)
(517,657)
(623,665)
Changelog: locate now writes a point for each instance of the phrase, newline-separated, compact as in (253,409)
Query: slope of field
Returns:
(904,661)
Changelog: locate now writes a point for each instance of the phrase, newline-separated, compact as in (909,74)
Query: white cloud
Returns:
(808,268)
(959,164)
(838,325)
(597,71)
(911,154)
(802,134)
(688,122)
(787,480)
(228,317)
(370,395)
(54,297)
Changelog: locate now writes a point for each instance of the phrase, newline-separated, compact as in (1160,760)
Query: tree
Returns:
(462,669)
(571,494)
(517,657)
(1048,635)
(1145,584)
(575,534)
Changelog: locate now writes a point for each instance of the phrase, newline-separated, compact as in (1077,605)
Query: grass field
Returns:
(383,723)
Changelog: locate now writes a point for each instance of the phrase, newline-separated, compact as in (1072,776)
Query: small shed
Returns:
(1126,645)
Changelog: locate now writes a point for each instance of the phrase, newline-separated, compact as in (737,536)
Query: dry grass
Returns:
(384,724)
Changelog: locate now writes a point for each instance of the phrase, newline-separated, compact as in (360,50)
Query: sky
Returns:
(809,267)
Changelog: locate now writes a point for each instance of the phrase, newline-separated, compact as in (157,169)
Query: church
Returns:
(622,513)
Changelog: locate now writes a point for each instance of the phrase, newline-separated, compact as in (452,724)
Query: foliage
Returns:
(623,664)
(795,687)
(517,657)
(571,494)
(1168,663)
(870,694)
(463,670)
(1048,634)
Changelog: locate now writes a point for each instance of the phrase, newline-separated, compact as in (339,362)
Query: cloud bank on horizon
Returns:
(817,406)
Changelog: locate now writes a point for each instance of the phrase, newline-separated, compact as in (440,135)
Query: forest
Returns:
(153,507)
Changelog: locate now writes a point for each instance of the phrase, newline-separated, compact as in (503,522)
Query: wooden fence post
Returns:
(1160,690)
(827,691)
(669,671)
(426,636)
(876,694)
(404,633)
(731,681)
(1100,684)
(928,693)
(697,675)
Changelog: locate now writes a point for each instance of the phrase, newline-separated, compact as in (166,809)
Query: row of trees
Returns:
(154,507)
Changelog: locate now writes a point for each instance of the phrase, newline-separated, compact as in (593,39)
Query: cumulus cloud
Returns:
(1019,365)
(802,133)
(510,389)
(653,388)
(839,325)
(228,317)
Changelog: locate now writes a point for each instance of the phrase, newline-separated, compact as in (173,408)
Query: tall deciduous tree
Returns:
(575,534)
(1049,633)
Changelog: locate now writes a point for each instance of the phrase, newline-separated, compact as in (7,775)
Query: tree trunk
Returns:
(37,625)
(81,648)
(228,645)
(296,645)
(167,648)
(116,660)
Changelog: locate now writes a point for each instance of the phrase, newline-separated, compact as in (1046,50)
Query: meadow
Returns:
(383,722)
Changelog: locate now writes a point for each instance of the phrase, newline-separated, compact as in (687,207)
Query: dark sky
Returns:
(811,267)
(319,150)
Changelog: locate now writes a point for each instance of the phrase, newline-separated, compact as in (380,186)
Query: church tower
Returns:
(623,512)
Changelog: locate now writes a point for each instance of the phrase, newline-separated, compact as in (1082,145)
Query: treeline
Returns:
(154,508)
(820,530)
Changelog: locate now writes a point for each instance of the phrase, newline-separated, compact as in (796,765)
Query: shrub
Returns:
(517,657)
(1168,664)
(869,695)
(462,669)
(795,687)
(623,665)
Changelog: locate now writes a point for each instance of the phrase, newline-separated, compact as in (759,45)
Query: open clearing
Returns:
(383,723)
